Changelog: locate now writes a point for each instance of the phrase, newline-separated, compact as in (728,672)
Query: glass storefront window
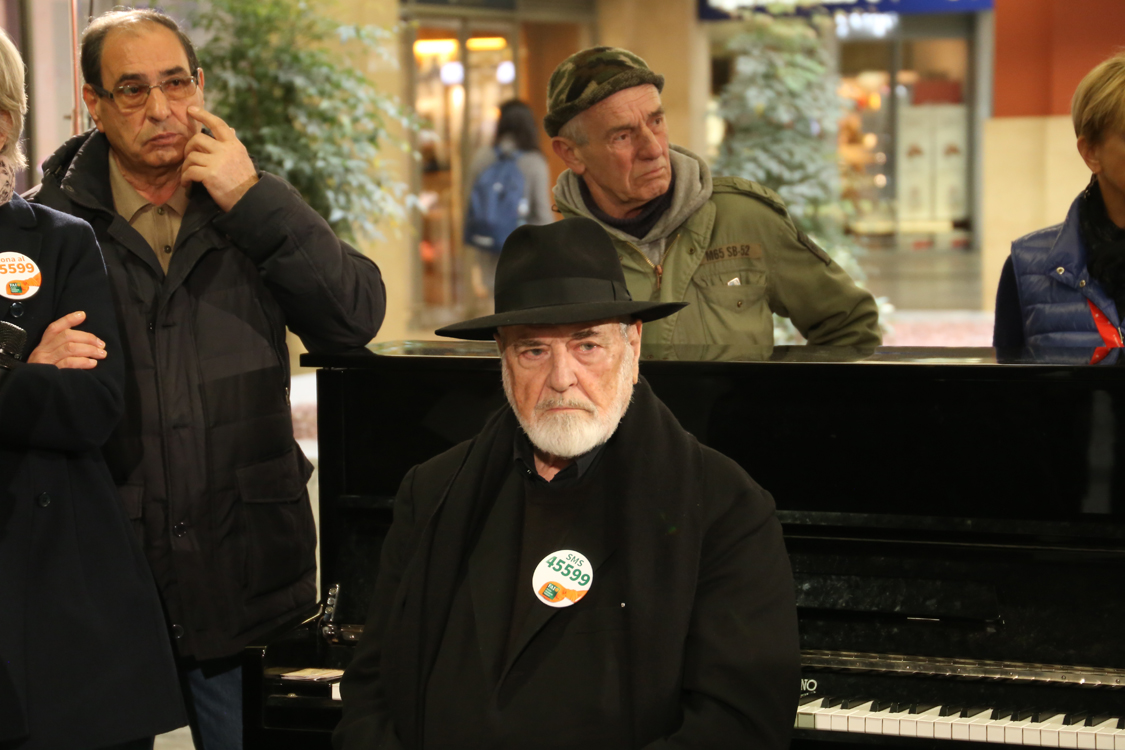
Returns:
(461,77)
(904,146)
(439,101)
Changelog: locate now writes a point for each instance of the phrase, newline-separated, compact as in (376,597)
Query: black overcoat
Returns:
(85,658)
(699,583)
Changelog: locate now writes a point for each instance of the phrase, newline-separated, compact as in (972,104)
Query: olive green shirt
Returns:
(159,225)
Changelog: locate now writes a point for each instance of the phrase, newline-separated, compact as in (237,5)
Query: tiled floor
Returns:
(927,280)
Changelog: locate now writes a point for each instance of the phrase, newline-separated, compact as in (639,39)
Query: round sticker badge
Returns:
(562,578)
(19,276)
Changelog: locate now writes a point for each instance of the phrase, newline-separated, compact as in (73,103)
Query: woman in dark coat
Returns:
(85,657)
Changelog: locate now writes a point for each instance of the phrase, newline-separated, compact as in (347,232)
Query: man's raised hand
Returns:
(221,162)
(64,347)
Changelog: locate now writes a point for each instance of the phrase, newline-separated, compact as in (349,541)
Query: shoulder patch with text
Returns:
(725,252)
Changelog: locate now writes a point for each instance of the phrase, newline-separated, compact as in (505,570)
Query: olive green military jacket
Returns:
(736,260)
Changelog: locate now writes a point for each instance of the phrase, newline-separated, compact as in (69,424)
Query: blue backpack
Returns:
(494,204)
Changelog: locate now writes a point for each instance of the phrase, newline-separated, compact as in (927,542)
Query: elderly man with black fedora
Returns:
(583,573)
(725,244)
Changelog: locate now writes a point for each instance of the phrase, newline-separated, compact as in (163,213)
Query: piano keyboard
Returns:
(1007,727)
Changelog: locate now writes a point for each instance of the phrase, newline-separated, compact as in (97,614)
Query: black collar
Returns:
(524,456)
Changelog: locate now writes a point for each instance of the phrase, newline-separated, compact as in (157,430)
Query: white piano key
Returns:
(1105,734)
(873,723)
(960,727)
(806,714)
(857,720)
(978,730)
(840,721)
(909,725)
(1068,736)
(943,727)
(1013,733)
(996,731)
(926,721)
(1088,736)
(1107,739)
(892,723)
(824,717)
(1044,733)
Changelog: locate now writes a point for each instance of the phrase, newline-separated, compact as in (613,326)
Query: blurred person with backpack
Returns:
(510,187)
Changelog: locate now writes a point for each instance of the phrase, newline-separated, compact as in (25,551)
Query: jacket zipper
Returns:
(657,267)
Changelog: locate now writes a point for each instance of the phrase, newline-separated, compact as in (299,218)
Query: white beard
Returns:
(570,434)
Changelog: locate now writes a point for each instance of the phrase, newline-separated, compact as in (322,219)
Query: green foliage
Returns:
(294,84)
(782,113)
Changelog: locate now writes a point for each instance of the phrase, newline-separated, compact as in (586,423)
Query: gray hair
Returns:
(574,131)
(13,101)
(130,19)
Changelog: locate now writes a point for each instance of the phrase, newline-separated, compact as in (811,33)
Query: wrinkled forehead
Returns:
(630,106)
(548,334)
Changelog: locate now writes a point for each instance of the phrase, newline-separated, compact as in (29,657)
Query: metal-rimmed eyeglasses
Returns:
(129,97)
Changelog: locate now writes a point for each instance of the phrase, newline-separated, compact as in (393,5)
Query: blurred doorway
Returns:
(462,69)
(462,74)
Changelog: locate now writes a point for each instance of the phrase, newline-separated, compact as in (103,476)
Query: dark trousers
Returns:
(213,695)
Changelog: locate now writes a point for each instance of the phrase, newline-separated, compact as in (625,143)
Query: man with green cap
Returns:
(724,244)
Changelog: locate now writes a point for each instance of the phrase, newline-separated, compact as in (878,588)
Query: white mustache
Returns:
(565,403)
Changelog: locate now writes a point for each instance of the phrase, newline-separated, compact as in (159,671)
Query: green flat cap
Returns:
(585,78)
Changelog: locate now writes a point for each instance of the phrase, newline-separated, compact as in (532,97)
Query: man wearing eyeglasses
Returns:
(210,260)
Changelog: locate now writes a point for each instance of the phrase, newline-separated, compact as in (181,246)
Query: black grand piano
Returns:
(955,519)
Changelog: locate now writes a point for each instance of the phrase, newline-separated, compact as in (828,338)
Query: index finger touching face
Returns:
(213,122)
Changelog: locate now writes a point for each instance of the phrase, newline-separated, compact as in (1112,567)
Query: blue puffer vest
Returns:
(1054,286)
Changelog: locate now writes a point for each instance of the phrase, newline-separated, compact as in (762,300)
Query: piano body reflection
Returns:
(956,528)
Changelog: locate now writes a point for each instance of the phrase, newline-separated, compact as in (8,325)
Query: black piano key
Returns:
(972,711)
(807,699)
(884,705)
(1076,718)
(921,708)
(832,702)
(1093,721)
(1002,714)
(854,702)
(1026,713)
(951,710)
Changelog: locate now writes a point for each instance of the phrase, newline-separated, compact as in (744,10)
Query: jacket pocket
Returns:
(280,538)
(737,314)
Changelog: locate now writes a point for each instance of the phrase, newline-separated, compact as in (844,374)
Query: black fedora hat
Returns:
(566,272)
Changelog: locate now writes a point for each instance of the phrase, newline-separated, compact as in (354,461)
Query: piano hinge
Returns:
(964,668)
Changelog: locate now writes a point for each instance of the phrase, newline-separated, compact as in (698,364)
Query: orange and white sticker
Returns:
(19,276)
(562,578)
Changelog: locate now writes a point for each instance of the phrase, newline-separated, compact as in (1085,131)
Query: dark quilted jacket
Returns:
(205,460)
(1055,287)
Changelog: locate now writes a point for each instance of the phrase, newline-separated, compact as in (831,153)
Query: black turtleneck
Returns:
(640,225)
(1105,244)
